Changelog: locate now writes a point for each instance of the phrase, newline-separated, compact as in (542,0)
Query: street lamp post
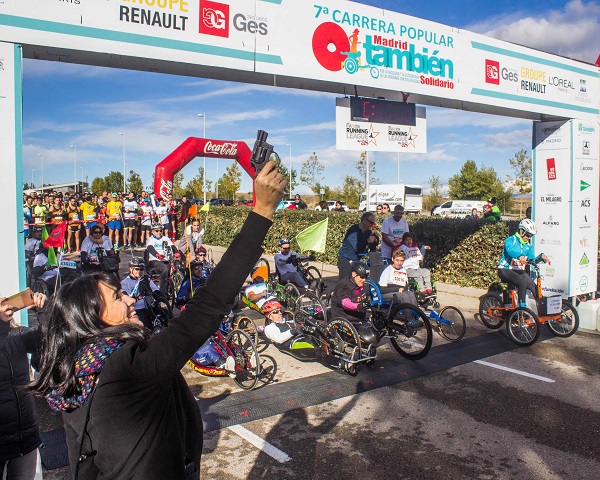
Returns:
(42,157)
(203,117)
(32,170)
(290,145)
(81,168)
(75,168)
(124,167)
(398,182)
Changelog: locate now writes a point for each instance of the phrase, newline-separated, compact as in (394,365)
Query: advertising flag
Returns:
(314,237)
(56,237)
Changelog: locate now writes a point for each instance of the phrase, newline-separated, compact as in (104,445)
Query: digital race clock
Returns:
(382,111)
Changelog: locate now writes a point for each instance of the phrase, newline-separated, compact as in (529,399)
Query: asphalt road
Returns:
(454,414)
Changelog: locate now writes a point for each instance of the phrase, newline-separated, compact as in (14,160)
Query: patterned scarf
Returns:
(88,364)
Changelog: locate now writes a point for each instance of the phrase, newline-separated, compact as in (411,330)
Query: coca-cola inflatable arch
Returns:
(198,147)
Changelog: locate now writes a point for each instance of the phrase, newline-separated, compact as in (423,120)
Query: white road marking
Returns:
(260,443)
(512,370)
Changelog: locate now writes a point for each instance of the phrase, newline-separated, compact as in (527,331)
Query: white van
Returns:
(459,208)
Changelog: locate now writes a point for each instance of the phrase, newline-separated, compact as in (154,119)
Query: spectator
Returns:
(19,431)
(379,209)
(474,215)
(99,366)
(322,206)
(392,229)
(299,203)
(357,240)
(191,241)
(528,213)
(113,212)
(385,208)
(493,211)
(339,207)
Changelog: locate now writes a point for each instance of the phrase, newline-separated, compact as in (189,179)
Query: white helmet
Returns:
(527,226)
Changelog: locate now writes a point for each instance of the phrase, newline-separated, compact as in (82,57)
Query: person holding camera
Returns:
(286,262)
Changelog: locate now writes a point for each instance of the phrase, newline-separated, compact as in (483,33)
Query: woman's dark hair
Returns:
(75,319)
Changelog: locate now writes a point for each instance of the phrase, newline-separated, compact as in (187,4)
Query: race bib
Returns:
(90,217)
(68,264)
(516,264)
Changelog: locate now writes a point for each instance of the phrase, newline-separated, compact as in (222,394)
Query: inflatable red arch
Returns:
(198,147)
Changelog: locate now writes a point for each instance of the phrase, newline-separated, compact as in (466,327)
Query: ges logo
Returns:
(214,20)
(493,73)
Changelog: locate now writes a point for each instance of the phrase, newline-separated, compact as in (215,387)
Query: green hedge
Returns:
(463,252)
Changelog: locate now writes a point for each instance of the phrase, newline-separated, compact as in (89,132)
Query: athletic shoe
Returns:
(117,247)
(230,366)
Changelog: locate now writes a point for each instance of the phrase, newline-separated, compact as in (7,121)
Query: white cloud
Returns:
(448,118)
(571,31)
(503,140)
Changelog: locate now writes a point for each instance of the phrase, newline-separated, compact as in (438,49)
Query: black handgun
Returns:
(261,152)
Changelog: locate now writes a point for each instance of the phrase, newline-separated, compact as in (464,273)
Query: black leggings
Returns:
(521,278)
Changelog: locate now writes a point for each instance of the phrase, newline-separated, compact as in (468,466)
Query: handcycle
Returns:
(240,346)
(406,325)
(287,294)
(522,323)
(310,274)
(67,271)
(176,278)
(336,338)
(156,304)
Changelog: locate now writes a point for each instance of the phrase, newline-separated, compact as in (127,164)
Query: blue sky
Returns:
(67,105)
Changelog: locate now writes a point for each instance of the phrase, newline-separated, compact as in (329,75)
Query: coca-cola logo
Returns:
(226,149)
(165,188)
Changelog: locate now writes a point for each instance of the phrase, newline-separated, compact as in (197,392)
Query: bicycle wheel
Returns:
(309,304)
(247,361)
(345,341)
(247,325)
(488,301)
(568,323)
(523,326)
(170,292)
(311,273)
(290,295)
(177,281)
(162,309)
(410,332)
(452,324)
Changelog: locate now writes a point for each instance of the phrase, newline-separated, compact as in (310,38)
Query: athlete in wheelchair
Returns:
(151,306)
(47,278)
(158,248)
(200,270)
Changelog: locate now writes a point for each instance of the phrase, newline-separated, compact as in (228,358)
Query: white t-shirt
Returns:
(157,243)
(130,209)
(392,276)
(394,230)
(413,257)
(92,248)
(161,211)
(147,212)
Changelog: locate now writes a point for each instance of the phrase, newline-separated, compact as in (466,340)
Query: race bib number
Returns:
(90,217)
(68,264)
(516,264)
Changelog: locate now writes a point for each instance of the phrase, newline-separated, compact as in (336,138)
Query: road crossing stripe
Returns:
(261,444)
(512,370)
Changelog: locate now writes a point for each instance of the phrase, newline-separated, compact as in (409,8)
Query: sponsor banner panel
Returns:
(335,41)
(378,137)
(584,207)
(552,209)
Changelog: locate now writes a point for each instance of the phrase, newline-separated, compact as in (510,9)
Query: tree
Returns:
(231,180)
(478,184)
(361,166)
(98,186)
(113,182)
(193,188)
(134,182)
(311,173)
(286,174)
(177,185)
(521,167)
(351,192)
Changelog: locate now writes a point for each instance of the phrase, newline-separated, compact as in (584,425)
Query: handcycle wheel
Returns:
(568,323)
(39,286)
(170,289)
(490,300)
(162,309)
(247,361)
(344,339)
(312,273)
(455,330)
(523,326)
(309,304)
(410,332)
(177,281)
(268,369)
(291,294)
(247,325)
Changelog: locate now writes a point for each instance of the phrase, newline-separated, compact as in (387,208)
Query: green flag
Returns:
(314,237)
(51,254)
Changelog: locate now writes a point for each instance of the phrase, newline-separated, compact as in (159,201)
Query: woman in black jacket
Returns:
(19,433)
(127,410)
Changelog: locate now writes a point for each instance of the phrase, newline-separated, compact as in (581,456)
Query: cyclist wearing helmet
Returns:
(517,251)
(137,286)
(286,264)
(155,248)
(358,239)
(200,271)
(289,338)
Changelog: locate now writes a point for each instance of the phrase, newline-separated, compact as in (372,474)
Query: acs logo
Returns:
(214,18)
(492,72)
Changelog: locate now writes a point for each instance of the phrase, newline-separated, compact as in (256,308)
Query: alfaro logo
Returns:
(492,72)
(335,50)
(214,18)
(551,167)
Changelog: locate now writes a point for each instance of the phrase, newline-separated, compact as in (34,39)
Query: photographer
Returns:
(286,262)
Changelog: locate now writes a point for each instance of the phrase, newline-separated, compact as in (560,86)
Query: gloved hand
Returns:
(362,307)
(290,260)
(160,257)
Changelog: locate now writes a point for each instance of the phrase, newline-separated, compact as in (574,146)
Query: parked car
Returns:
(331,205)
(218,202)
